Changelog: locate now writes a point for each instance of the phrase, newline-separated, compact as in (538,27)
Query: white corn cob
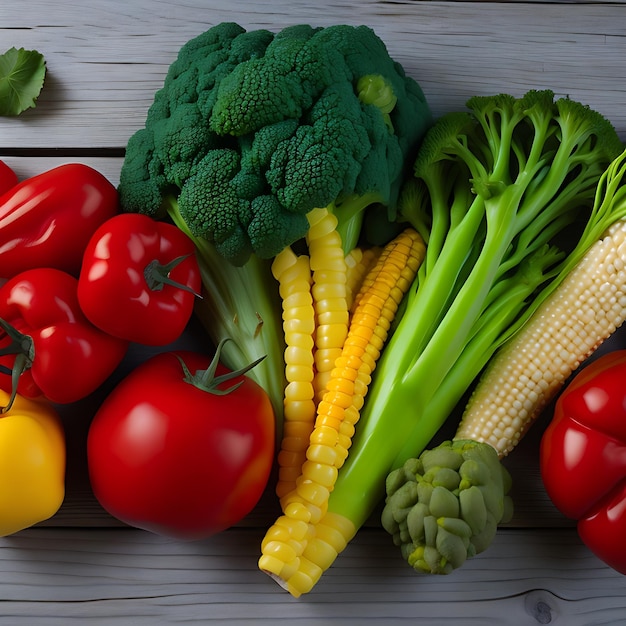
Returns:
(528,371)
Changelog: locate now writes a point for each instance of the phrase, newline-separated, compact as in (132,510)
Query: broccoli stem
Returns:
(350,213)
(241,303)
(410,398)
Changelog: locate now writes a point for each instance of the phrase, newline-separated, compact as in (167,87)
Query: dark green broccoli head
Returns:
(445,506)
(315,116)
(235,199)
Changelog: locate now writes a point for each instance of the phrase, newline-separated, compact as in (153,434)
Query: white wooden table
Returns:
(105,60)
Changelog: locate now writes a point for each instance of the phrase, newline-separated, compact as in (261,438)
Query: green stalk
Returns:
(398,407)
(242,303)
(432,359)
(350,213)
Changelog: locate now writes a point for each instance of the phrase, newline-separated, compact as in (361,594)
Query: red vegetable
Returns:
(583,456)
(8,178)
(47,220)
(139,279)
(48,343)
(169,454)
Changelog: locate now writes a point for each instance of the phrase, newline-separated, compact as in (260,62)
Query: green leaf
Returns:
(22,73)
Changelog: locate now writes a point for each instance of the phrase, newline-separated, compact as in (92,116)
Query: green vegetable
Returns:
(22,74)
(495,188)
(445,506)
(525,374)
(250,132)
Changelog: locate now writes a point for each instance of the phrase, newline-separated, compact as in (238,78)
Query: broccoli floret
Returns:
(445,506)
(252,130)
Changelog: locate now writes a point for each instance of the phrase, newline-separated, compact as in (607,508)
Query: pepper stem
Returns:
(157,275)
(208,381)
(24,349)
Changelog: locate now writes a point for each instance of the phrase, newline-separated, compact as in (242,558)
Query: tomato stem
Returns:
(157,275)
(208,381)
(23,347)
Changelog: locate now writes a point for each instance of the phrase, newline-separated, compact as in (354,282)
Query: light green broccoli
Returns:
(445,506)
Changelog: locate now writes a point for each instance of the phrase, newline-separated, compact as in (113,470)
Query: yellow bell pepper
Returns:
(32,463)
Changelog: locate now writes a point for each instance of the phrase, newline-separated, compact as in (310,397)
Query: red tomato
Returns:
(139,279)
(176,459)
(47,342)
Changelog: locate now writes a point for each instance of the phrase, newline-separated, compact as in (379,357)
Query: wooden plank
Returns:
(524,578)
(106,60)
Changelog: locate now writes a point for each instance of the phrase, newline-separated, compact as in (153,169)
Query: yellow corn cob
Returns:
(329,289)
(286,541)
(294,279)
(527,372)
(314,305)
(300,406)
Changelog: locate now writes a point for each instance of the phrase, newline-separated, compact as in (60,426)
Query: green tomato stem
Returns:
(206,380)
(157,275)
(24,349)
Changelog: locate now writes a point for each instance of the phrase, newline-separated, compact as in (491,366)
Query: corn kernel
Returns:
(299,372)
(323,435)
(298,511)
(320,553)
(280,550)
(298,391)
(321,473)
(331,336)
(289,460)
(295,354)
(314,493)
(301,340)
(295,301)
(325,455)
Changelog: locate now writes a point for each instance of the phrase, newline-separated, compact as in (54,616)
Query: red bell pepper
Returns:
(139,279)
(8,178)
(48,347)
(47,220)
(583,456)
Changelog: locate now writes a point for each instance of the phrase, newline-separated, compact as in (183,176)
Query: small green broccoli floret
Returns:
(316,116)
(445,506)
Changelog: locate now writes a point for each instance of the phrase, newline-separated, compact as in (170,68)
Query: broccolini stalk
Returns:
(494,188)
(519,172)
(579,310)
